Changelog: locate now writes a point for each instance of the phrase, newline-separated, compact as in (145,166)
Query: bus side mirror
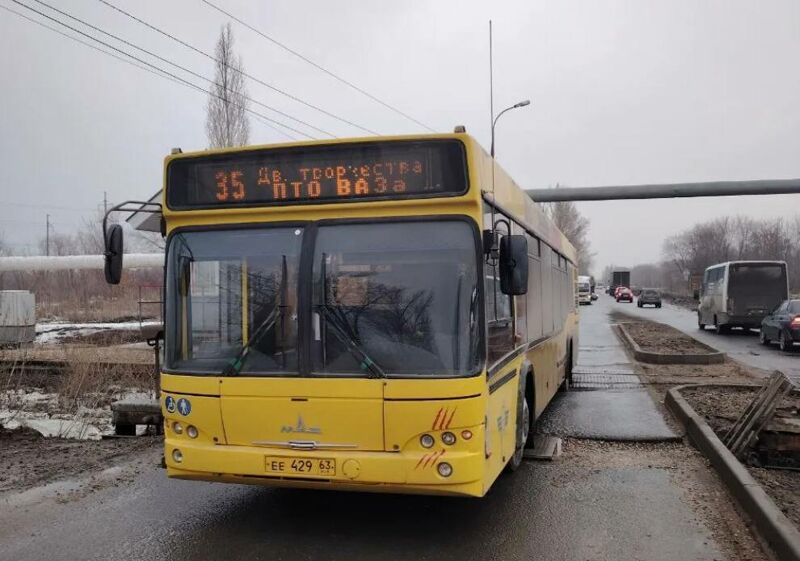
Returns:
(113,254)
(514,265)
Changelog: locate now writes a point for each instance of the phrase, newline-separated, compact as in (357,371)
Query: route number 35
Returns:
(229,185)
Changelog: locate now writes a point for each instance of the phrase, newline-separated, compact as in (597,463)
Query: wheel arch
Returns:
(527,378)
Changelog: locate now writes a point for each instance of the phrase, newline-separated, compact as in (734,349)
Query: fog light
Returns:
(426,441)
(448,438)
(177,455)
(466,434)
(444,469)
(177,428)
(191,430)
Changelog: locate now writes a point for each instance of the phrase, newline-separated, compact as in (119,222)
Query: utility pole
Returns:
(105,202)
(47,237)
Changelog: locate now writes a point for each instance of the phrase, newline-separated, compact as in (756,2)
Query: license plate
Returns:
(300,466)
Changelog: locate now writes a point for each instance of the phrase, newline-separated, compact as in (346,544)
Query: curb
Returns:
(713,357)
(773,526)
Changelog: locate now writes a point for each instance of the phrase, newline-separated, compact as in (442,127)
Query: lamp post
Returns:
(515,106)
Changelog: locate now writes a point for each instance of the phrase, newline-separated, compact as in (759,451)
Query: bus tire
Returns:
(700,325)
(566,385)
(523,427)
(124,429)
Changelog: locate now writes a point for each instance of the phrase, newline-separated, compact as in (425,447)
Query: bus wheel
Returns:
(123,429)
(700,325)
(566,385)
(523,429)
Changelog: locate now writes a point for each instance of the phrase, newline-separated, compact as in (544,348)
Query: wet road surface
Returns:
(571,508)
(740,345)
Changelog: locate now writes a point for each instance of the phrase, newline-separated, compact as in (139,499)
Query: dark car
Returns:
(782,325)
(649,297)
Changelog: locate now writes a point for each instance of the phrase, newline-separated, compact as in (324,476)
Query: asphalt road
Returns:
(607,503)
(740,345)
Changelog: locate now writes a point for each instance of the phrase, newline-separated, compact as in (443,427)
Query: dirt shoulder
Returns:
(702,490)
(31,460)
(719,406)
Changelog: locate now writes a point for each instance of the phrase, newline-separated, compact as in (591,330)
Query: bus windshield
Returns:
(403,295)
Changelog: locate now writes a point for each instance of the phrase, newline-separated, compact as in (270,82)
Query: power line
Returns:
(247,75)
(317,66)
(49,207)
(158,72)
(174,76)
(183,68)
(84,43)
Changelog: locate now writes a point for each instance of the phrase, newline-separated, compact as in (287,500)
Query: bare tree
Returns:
(576,227)
(725,239)
(227,124)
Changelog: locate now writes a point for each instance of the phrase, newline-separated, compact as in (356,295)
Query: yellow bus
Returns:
(375,314)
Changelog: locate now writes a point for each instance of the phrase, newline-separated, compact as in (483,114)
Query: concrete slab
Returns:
(606,415)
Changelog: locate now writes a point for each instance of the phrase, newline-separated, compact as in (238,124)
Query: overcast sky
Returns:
(622,93)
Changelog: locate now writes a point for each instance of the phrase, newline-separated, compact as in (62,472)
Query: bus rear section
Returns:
(741,293)
(754,289)
(327,354)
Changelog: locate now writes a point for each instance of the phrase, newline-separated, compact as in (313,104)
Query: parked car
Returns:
(624,294)
(584,290)
(782,325)
(649,297)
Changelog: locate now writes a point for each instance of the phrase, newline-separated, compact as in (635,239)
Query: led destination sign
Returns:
(298,175)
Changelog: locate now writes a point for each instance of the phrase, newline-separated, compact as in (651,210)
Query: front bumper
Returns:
(412,472)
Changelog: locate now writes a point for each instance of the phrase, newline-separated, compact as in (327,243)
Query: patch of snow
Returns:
(40,412)
(51,332)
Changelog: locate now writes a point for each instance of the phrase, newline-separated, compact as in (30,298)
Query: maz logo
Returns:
(301,427)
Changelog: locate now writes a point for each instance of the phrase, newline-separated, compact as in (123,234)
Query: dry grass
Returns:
(88,382)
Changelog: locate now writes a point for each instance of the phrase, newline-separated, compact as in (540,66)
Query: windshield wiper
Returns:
(234,367)
(343,331)
(365,362)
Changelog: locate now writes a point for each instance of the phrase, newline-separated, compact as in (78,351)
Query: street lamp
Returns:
(515,106)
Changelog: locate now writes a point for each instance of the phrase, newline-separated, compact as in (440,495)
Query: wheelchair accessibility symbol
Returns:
(169,404)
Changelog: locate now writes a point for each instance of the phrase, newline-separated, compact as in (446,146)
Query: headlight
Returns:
(191,430)
(177,455)
(444,469)
(466,434)
(426,441)
(448,438)
(177,428)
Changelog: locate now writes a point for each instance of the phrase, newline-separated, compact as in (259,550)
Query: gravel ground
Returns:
(657,337)
(783,487)
(30,460)
(704,493)
(721,407)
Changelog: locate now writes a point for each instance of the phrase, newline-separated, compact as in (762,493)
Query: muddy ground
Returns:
(30,460)
(660,338)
